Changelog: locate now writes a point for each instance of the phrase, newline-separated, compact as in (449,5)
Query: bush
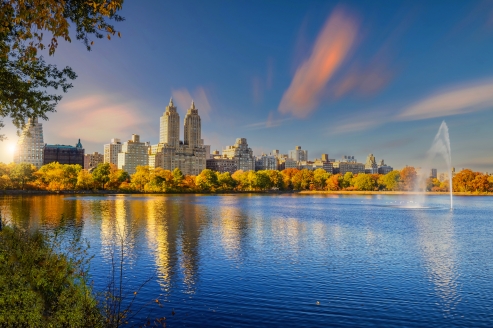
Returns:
(41,286)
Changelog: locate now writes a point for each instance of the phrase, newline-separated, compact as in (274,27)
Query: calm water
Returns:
(288,260)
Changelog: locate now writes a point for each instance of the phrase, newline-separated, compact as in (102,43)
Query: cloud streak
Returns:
(331,48)
(453,102)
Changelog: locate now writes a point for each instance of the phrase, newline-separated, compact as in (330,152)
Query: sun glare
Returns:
(11,148)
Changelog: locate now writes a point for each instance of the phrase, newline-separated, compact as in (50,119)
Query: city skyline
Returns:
(390,75)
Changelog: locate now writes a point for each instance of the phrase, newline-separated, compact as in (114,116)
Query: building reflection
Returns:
(437,244)
(233,225)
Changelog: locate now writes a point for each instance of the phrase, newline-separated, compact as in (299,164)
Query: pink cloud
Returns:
(97,118)
(183,98)
(331,48)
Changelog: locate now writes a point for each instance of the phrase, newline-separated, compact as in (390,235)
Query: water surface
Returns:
(287,260)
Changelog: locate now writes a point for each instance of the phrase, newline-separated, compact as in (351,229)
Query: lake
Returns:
(254,260)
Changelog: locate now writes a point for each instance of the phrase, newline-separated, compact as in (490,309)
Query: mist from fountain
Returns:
(440,146)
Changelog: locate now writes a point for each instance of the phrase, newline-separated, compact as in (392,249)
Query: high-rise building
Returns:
(169,132)
(92,160)
(371,166)
(134,153)
(433,173)
(170,153)
(30,144)
(111,151)
(242,154)
(192,128)
(64,154)
(298,154)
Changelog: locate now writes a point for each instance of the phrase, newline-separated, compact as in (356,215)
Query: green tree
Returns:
(225,181)
(101,174)
(364,182)
(22,173)
(276,179)
(206,180)
(320,177)
(177,177)
(390,181)
(347,180)
(24,75)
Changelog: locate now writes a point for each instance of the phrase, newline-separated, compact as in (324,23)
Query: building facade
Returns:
(266,162)
(371,166)
(93,160)
(384,168)
(170,153)
(134,153)
(298,154)
(242,154)
(222,165)
(112,150)
(30,146)
(64,154)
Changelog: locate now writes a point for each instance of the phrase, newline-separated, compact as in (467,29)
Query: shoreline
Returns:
(303,192)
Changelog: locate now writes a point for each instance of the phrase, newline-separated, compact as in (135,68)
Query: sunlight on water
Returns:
(252,260)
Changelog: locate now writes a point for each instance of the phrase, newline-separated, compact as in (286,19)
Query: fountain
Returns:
(441,145)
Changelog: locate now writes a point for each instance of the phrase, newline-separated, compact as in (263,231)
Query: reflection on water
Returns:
(437,244)
(273,260)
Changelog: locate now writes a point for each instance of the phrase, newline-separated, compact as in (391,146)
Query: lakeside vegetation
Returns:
(60,177)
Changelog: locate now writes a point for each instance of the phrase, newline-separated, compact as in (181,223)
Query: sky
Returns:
(343,78)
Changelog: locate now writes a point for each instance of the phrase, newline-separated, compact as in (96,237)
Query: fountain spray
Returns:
(441,145)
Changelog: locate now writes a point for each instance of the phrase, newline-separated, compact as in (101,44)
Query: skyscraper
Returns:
(30,145)
(170,153)
(134,153)
(298,154)
(170,126)
(192,127)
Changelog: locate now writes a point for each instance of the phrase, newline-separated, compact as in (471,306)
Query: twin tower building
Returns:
(188,155)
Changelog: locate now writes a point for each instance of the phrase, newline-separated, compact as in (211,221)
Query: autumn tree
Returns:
(25,77)
(333,182)
(177,177)
(276,179)
(141,177)
(117,177)
(408,177)
(85,180)
(287,177)
(462,181)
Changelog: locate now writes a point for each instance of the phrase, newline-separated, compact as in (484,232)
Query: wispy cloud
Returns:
(97,117)
(331,48)
(183,99)
(456,101)
(270,122)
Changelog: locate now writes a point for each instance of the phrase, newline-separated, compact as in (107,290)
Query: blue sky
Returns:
(344,78)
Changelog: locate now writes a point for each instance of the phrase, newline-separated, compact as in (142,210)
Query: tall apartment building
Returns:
(348,164)
(93,160)
(371,166)
(266,162)
(64,154)
(242,154)
(221,164)
(170,153)
(134,153)
(30,145)
(433,173)
(298,154)
(111,151)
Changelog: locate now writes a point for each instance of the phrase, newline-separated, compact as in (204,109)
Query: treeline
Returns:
(57,177)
